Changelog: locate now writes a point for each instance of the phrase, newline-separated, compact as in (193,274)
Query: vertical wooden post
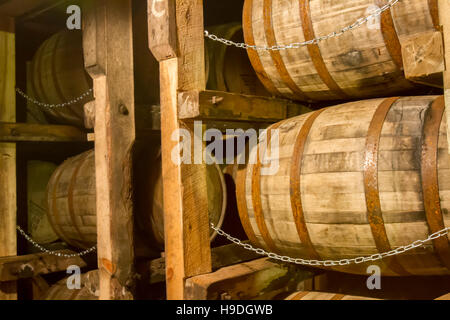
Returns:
(444,14)
(108,51)
(8,245)
(179,47)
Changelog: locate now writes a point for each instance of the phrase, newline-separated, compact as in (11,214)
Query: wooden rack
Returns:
(179,46)
(176,37)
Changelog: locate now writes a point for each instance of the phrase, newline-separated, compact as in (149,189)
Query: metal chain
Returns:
(55,253)
(328,263)
(59,105)
(297,45)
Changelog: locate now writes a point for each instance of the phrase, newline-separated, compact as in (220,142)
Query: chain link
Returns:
(359,22)
(59,105)
(54,253)
(329,263)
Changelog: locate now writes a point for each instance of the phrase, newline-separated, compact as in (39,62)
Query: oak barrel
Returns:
(71,200)
(229,68)
(363,62)
(58,76)
(89,289)
(354,180)
(314,295)
(38,175)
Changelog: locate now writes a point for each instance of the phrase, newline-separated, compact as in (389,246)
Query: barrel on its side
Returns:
(229,68)
(89,289)
(71,200)
(354,180)
(38,175)
(361,63)
(312,295)
(58,76)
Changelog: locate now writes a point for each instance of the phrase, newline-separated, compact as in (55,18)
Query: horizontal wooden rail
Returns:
(223,106)
(31,265)
(221,257)
(257,279)
(15,132)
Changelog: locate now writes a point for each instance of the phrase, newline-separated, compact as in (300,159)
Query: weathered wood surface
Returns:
(221,257)
(423,58)
(108,58)
(185,204)
(257,279)
(31,265)
(444,12)
(222,106)
(162,32)
(38,287)
(149,198)
(444,297)
(229,67)
(15,132)
(71,199)
(8,245)
(58,76)
(311,295)
(363,62)
(89,289)
(352,183)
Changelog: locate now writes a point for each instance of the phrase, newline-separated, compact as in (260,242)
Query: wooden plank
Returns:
(185,201)
(217,105)
(221,257)
(256,279)
(31,265)
(108,52)
(444,12)
(423,58)
(444,297)
(8,205)
(14,132)
(162,34)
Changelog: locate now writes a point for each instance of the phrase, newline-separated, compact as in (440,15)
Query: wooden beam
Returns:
(8,197)
(31,265)
(222,256)
(444,13)
(14,132)
(423,58)
(256,279)
(185,195)
(108,52)
(223,106)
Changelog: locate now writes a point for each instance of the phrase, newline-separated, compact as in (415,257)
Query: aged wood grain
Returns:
(333,190)
(8,245)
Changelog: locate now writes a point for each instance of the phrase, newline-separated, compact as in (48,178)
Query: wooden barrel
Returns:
(354,180)
(150,198)
(312,295)
(89,289)
(71,200)
(229,68)
(38,175)
(58,76)
(363,62)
